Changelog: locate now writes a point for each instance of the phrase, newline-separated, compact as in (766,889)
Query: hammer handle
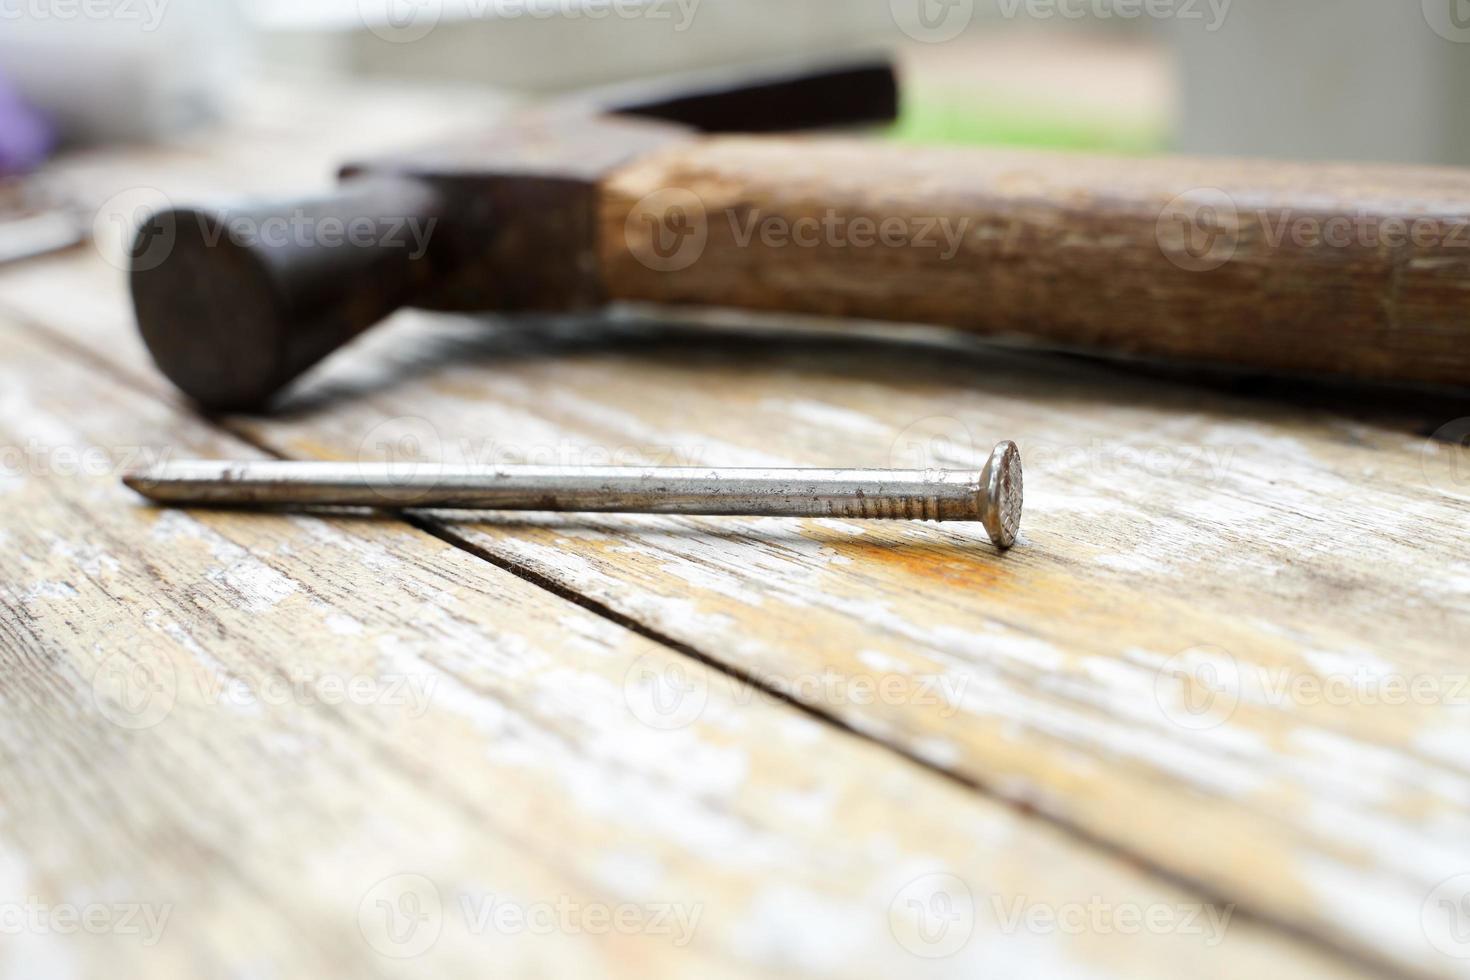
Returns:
(1346,270)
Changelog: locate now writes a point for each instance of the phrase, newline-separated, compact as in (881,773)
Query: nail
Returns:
(993,496)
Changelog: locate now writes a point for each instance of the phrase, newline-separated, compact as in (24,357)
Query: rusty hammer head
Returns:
(236,303)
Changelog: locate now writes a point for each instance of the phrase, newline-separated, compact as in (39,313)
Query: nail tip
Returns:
(139,481)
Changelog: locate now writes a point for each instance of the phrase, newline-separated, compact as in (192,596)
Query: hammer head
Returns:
(241,301)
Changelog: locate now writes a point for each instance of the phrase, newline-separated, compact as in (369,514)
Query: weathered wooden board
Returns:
(243,740)
(1151,525)
(253,728)
(1311,569)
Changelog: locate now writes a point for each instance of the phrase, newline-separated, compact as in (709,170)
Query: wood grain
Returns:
(254,729)
(1168,535)
(1320,269)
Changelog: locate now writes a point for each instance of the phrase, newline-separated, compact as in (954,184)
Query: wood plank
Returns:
(338,711)
(1317,561)
(1061,711)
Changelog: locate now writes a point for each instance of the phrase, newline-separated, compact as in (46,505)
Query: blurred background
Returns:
(1310,79)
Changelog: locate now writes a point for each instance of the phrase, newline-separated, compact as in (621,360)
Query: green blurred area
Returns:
(958,119)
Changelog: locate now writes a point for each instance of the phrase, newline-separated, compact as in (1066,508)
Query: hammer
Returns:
(1350,271)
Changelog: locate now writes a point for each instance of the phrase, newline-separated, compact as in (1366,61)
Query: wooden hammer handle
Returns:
(1356,271)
